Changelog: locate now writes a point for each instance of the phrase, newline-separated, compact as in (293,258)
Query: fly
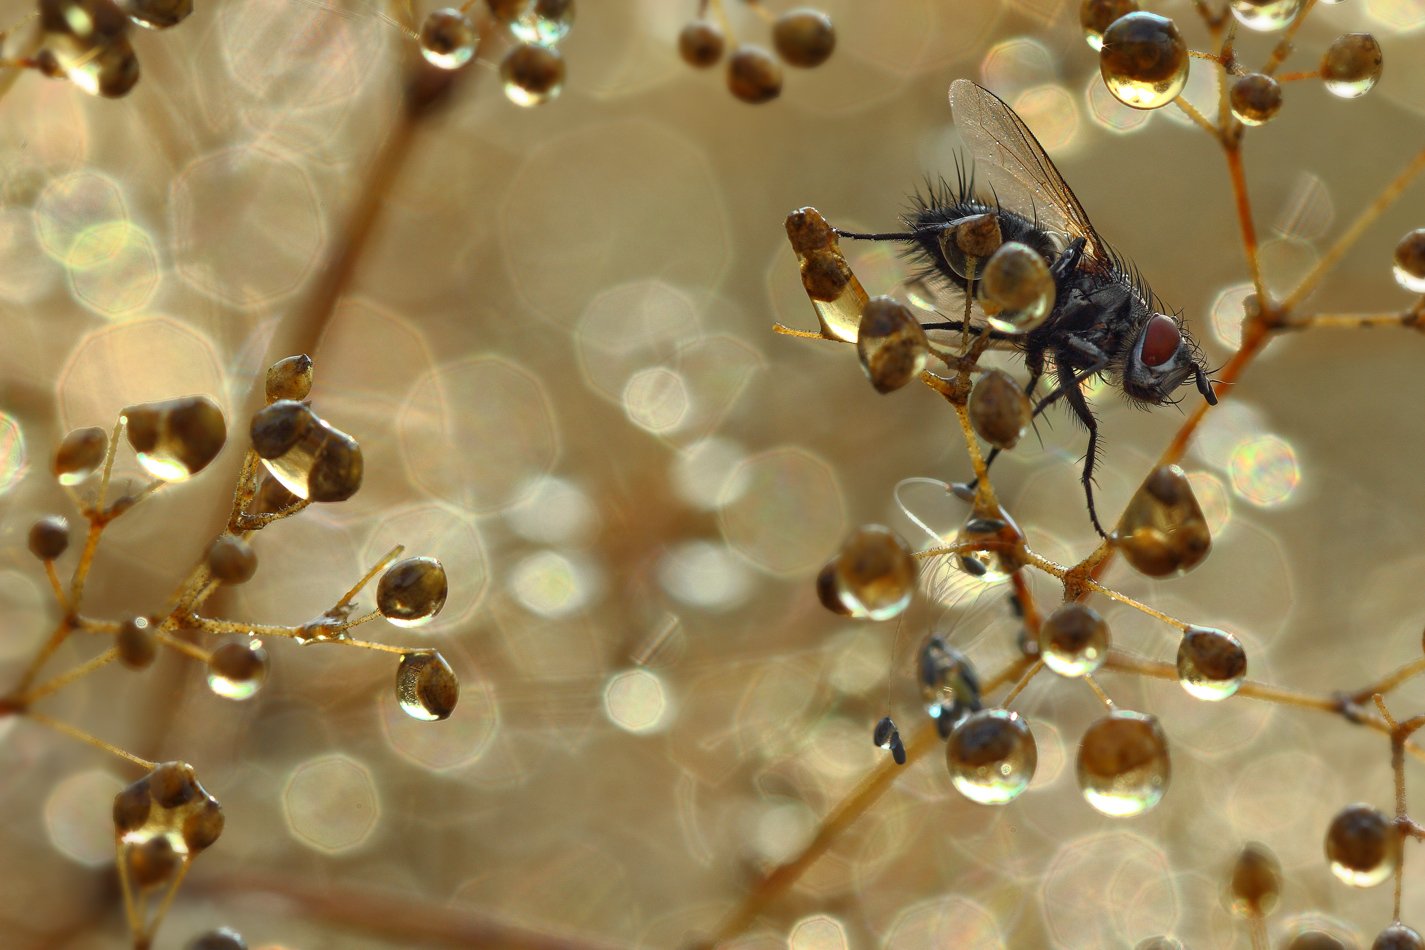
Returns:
(1105,321)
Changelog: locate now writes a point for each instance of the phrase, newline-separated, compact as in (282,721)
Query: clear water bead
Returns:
(1351,65)
(991,756)
(1017,289)
(1410,262)
(1123,768)
(1211,663)
(426,687)
(1000,538)
(1363,845)
(307,455)
(544,21)
(175,439)
(1265,16)
(1255,98)
(1256,881)
(836,294)
(1073,640)
(79,455)
(967,243)
(890,344)
(999,410)
(412,591)
(237,669)
(874,573)
(1144,60)
(1163,531)
(533,74)
(1398,937)
(163,820)
(447,39)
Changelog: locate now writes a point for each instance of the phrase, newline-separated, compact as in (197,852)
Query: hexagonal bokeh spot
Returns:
(330,803)
(790,514)
(79,816)
(119,273)
(70,205)
(224,247)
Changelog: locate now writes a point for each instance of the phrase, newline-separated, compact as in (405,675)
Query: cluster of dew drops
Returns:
(532,68)
(803,38)
(1123,767)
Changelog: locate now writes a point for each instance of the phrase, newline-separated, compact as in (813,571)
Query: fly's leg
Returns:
(1069,388)
(1068,261)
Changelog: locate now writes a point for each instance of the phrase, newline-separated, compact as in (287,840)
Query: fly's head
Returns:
(1161,359)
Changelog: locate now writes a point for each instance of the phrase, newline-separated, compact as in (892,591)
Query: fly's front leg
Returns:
(1069,381)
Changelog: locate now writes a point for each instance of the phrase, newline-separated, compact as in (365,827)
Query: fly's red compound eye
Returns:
(1160,340)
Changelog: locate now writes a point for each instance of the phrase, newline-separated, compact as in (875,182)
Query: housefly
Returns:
(1104,322)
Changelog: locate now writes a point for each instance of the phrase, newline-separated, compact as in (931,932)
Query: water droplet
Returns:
(804,37)
(1398,937)
(544,21)
(891,344)
(109,69)
(164,819)
(1265,15)
(306,454)
(237,669)
(176,439)
(991,756)
(1163,531)
(753,75)
(533,74)
(447,41)
(999,410)
(701,44)
(1255,98)
(79,455)
(874,574)
(1351,65)
(135,643)
(1073,640)
(1410,261)
(1211,663)
(1018,284)
(836,294)
(1123,767)
(426,686)
(1256,881)
(49,537)
(999,556)
(1362,845)
(1095,16)
(1144,60)
(948,683)
(967,243)
(289,378)
(412,591)
(158,14)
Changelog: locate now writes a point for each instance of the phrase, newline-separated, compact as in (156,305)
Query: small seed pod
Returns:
(1255,98)
(1363,845)
(1096,15)
(291,378)
(1256,881)
(891,344)
(1351,65)
(231,559)
(79,455)
(174,784)
(131,807)
(1000,412)
(176,439)
(49,537)
(237,669)
(1144,60)
(991,756)
(158,14)
(1163,531)
(306,454)
(223,938)
(701,44)
(1398,937)
(447,41)
(426,687)
(753,75)
(532,73)
(152,860)
(1123,766)
(874,573)
(411,591)
(804,37)
(1073,640)
(1410,262)
(136,643)
(808,231)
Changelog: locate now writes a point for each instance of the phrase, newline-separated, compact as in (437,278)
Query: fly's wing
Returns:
(1008,155)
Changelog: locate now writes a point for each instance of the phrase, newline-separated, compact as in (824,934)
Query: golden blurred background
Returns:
(556,352)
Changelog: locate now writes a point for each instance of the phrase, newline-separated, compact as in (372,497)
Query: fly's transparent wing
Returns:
(1010,158)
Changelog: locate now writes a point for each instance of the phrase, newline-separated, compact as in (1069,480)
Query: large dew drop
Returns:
(175,439)
(1144,60)
(991,756)
(426,687)
(1211,663)
(1123,767)
(1163,531)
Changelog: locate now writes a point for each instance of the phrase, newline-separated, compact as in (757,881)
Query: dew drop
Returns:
(1410,262)
(447,40)
(307,455)
(237,669)
(991,756)
(891,344)
(1265,16)
(999,540)
(1163,531)
(874,573)
(1073,640)
(412,591)
(804,37)
(999,410)
(1362,845)
(1211,663)
(1018,284)
(1351,65)
(79,455)
(158,14)
(544,21)
(1144,60)
(176,439)
(701,44)
(426,687)
(1255,98)
(1398,937)
(836,294)
(1123,767)
(967,243)
(753,75)
(532,73)
(1256,881)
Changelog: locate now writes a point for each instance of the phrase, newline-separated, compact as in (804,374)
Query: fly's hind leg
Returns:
(1069,387)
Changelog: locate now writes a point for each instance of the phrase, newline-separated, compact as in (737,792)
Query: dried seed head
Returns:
(1363,845)
(131,807)
(223,938)
(874,573)
(158,14)
(1351,65)
(1123,766)
(1265,15)
(753,75)
(173,784)
(804,37)
(447,41)
(176,439)
(532,73)
(1163,531)
(231,559)
(999,410)
(1096,15)
(1144,60)
(1410,261)
(1256,881)
(1211,663)
(891,344)
(411,591)
(49,537)
(237,669)
(1255,98)
(291,378)
(991,756)
(701,44)
(136,643)
(426,687)
(80,454)
(1073,640)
